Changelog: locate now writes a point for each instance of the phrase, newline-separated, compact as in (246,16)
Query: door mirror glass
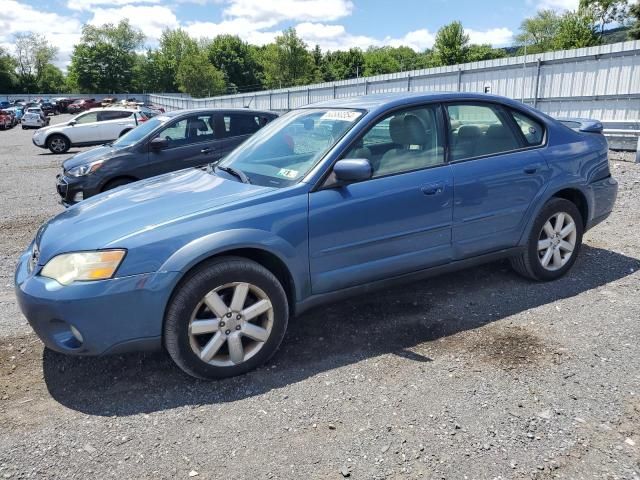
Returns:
(159,143)
(352,170)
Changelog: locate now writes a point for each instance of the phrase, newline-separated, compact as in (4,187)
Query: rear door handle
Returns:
(531,169)
(433,189)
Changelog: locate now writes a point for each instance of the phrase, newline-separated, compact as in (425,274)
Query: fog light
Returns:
(78,197)
(76,333)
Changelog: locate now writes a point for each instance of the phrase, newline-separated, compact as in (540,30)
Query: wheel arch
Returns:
(103,187)
(52,134)
(578,198)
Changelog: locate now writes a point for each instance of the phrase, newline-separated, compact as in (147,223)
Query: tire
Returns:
(58,144)
(208,354)
(543,243)
(118,182)
(23,127)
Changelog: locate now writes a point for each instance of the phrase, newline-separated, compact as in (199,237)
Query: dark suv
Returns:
(167,142)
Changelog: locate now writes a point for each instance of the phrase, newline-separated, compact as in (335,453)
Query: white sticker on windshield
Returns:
(344,115)
(287,173)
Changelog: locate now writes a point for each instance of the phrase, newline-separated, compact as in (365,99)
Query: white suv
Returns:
(93,127)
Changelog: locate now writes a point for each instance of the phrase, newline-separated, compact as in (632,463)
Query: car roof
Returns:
(111,109)
(175,113)
(384,101)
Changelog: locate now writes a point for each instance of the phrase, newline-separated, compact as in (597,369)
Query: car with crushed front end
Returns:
(327,201)
(164,143)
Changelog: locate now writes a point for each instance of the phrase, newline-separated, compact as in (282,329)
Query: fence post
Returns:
(535,92)
(366,87)
(334,90)
(269,100)
(459,79)
(288,99)
(408,83)
(308,95)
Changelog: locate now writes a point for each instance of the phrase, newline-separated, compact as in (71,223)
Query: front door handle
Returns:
(206,150)
(531,169)
(433,189)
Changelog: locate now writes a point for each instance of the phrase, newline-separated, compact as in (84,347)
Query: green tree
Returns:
(232,56)
(477,53)
(33,54)
(606,11)
(51,80)
(174,47)
(380,60)
(451,45)
(286,62)
(105,57)
(539,32)
(8,79)
(575,30)
(342,65)
(197,77)
(634,31)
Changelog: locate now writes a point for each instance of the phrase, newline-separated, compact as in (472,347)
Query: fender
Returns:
(216,243)
(549,192)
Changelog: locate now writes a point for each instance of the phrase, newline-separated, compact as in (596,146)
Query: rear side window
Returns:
(531,129)
(479,130)
(112,115)
(237,124)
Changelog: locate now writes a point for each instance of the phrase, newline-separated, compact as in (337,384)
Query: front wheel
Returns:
(228,317)
(554,242)
(58,144)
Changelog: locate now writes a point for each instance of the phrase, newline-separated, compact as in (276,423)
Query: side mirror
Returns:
(159,143)
(352,170)
(72,122)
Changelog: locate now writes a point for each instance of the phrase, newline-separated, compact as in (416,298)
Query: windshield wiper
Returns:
(235,172)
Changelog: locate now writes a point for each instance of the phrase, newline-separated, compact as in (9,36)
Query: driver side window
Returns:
(402,142)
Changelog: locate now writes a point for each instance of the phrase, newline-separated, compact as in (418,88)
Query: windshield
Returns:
(138,133)
(285,150)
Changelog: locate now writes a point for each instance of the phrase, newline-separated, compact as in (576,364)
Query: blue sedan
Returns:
(327,201)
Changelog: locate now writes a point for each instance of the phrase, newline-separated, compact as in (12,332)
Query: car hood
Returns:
(98,153)
(108,219)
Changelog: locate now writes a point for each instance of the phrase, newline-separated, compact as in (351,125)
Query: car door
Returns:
(113,122)
(85,129)
(191,142)
(397,222)
(497,173)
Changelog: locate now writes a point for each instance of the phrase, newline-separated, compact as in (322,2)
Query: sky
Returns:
(332,24)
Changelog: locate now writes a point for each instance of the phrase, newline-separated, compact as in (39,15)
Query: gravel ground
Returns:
(477,374)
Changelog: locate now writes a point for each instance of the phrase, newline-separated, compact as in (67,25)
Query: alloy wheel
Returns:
(231,324)
(58,145)
(557,241)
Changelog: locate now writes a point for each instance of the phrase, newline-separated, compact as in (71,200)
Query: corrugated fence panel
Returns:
(600,82)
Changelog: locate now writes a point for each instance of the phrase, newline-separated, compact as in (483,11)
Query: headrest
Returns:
(497,131)
(198,124)
(469,131)
(407,130)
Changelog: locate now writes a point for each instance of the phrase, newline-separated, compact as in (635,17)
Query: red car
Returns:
(82,105)
(6,120)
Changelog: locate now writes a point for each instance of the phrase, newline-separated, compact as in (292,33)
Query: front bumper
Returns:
(41,144)
(107,316)
(75,189)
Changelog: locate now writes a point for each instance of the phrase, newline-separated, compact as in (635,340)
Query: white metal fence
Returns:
(600,82)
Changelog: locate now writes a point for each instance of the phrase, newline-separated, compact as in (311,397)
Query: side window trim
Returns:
(188,119)
(510,121)
(534,120)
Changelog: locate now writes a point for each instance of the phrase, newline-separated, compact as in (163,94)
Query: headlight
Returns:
(83,266)
(82,170)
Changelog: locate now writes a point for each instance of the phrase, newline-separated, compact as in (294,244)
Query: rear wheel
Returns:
(227,318)
(554,242)
(58,144)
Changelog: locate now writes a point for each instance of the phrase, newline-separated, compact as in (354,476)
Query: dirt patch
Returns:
(513,347)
